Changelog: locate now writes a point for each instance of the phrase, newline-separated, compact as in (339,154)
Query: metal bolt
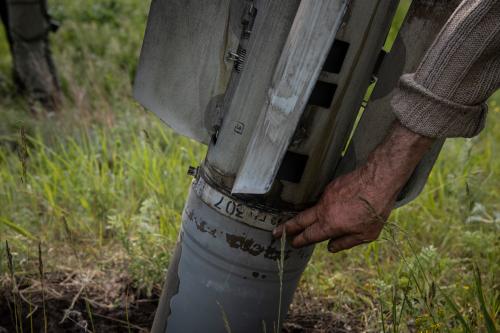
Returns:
(192,171)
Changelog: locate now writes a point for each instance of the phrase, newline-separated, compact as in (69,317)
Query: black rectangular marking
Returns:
(322,94)
(336,57)
(292,167)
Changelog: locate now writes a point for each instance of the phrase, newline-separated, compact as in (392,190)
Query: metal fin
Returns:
(182,64)
(305,51)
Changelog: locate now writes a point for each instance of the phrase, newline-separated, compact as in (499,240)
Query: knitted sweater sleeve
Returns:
(446,96)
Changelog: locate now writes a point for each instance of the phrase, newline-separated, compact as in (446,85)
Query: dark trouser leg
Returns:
(34,70)
(4,15)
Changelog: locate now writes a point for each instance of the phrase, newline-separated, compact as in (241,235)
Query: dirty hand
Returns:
(354,207)
(351,211)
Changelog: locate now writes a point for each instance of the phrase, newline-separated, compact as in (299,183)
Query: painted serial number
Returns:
(238,210)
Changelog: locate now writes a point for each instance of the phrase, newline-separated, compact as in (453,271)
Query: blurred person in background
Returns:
(27,25)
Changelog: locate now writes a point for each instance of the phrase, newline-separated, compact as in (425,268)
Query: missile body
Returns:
(237,75)
(226,275)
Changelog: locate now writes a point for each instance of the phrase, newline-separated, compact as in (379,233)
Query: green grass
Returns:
(105,182)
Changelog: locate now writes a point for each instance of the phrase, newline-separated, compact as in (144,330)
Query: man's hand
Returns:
(351,211)
(354,207)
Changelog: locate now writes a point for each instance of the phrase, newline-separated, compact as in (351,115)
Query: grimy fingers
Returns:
(343,243)
(312,234)
(298,223)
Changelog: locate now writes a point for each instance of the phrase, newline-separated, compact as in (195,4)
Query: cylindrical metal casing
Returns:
(225,274)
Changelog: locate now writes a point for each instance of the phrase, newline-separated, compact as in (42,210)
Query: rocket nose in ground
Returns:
(225,275)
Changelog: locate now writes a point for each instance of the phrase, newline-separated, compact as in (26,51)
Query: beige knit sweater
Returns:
(446,95)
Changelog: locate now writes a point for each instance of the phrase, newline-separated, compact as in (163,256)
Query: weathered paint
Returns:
(226,264)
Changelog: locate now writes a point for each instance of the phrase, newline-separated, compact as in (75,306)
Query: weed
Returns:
(42,283)
(490,324)
(18,322)
(89,313)
(126,311)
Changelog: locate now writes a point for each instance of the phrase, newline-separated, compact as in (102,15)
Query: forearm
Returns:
(392,163)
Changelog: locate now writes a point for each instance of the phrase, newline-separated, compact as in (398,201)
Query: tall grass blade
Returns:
(126,311)
(42,283)
(281,268)
(420,267)
(227,327)
(10,264)
(23,154)
(17,228)
(394,309)
(382,319)
(31,317)
(465,326)
(89,313)
(490,324)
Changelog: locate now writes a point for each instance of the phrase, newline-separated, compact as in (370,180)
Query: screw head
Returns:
(192,171)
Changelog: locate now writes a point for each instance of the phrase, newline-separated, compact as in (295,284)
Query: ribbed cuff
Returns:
(425,113)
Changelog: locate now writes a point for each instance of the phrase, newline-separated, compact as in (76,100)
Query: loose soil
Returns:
(92,302)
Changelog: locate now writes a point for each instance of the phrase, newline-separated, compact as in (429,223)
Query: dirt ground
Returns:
(84,303)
